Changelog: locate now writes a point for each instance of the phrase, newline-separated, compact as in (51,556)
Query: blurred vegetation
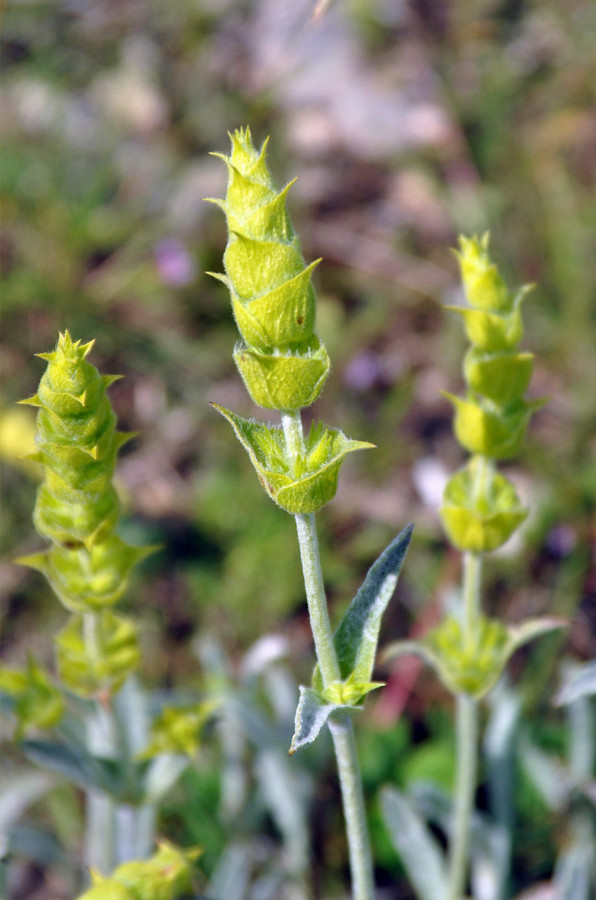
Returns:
(406,123)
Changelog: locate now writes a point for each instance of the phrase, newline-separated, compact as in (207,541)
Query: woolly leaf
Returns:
(357,635)
(74,763)
(312,714)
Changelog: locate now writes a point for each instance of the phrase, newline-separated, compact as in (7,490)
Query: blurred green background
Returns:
(407,123)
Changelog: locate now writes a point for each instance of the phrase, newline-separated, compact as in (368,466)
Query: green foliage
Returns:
(282,362)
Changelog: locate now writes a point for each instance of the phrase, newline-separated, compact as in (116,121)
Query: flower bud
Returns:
(483,284)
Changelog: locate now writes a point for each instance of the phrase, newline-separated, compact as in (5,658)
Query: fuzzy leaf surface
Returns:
(417,848)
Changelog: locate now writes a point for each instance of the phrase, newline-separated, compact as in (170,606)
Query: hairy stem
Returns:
(342,732)
(293,433)
(315,597)
(466,736)
(361,867)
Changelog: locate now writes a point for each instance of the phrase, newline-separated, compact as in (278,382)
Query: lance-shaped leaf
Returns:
(419,851)
(472,666)
(299,485)
(355,640)
(357,635)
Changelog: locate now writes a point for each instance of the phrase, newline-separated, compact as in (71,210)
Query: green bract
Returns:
(299,484)
(483,520)
(36,702)
(282,362)
(166,875)
(472,666)
(114,653)
(77,509)
(178,730)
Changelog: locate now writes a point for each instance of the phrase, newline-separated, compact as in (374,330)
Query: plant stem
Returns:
(466,736)
(472,565)
(361,867)
(467,741)
(293,433)
(315,597)
(100,811)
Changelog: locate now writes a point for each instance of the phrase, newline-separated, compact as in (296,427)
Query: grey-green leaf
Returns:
(418,850)
(580,683)
(76,764)
(357,635)
(311,715)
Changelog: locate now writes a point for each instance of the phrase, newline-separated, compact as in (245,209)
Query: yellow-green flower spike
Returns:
(167,875)
(179,730)
(491,420)
(77,509)
(281,360)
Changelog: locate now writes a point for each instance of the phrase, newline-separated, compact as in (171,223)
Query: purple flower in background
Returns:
(174,263)
(363,371)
